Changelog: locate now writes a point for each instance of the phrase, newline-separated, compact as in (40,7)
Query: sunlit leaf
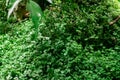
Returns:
(50,1)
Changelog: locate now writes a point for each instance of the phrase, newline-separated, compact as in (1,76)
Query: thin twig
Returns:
(114,21)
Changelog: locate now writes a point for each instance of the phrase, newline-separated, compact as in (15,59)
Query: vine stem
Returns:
(115,20)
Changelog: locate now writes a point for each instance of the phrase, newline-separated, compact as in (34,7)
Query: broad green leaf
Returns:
(35,13)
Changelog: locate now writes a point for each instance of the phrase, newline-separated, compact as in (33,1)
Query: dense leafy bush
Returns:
(78,43)
(84,24)
(75,43)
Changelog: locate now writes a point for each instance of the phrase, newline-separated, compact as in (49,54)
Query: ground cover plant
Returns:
(75,42)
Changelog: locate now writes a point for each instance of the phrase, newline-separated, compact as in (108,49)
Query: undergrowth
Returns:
(75,43)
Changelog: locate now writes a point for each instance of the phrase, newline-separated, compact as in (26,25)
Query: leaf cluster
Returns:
(75,43)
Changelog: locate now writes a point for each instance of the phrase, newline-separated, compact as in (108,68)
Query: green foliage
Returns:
(4,25)
(32,7)
(80,43)
(75,43)
(88,25)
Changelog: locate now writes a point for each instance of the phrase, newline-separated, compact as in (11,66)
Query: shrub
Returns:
(78,43)
(84,24)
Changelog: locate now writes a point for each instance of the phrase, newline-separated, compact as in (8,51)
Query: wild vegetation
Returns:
(76,40)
